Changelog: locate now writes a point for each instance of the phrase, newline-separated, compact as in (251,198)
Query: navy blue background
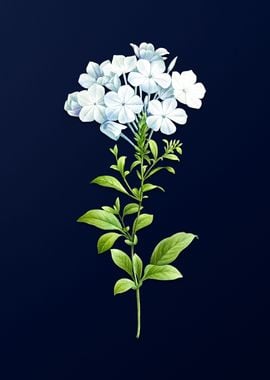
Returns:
(59,319)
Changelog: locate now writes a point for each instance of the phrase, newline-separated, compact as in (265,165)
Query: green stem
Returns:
(138,313)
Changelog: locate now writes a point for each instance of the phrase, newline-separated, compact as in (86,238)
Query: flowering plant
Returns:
(139,94)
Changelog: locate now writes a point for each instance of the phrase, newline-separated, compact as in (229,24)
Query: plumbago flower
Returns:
(134,98)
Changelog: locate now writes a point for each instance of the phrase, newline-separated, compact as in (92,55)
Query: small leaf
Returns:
(170,169)
(154,148)
(136,192)
(134,164)
(109,181)
(109,209)
(142,221)
(130,208)
(171,156)
(167,250)
(114,150)
(101,219)
(161,272)
(149,187)
(138,265)
(121,164)
(117,204)
(123,285)
(106,241)
(122,260)
(178,150)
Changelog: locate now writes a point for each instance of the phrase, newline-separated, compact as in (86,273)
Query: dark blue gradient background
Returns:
(59,319)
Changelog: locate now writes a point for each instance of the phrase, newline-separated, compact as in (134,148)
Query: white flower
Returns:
(92,102)
(150,76)
(112,129)
(148,52)
(100,74)
(123,105)
(122,65)
(71,104)
(163,114)
(186,90)
(93,73)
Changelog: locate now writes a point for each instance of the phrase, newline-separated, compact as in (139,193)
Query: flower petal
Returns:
(188,78)
(87,113)
(154,122)
(112,113)
(144,67)
(149,85)
(179,116)
(167,127)
(130,63)
(84,98)
(177,83)
(135,104)
(155,107)
(164,80)
(125,93)
(198,90)
(99,114)
(136,79)
(93,70)
(162,51)
(193,101)
(86,81)
(96,93)
(157,67)
(180,96)
(169,106)
(135,48)
(111,99)
(125,115)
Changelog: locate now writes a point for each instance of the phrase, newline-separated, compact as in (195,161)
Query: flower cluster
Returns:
(117,92)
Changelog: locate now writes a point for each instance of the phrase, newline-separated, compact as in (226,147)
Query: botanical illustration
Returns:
(134,98)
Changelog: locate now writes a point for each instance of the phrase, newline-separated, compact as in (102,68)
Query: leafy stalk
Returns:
(112,218)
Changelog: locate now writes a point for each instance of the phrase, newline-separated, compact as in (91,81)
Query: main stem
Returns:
(138,300)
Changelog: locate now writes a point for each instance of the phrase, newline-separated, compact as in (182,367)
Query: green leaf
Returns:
(171,156)
(122,260)
(154,148)
(106,241)
(109,209)
(161,272)
(149,187)
(138,265)
(130,208)
(134,164)
(109,181)
(121,164)
(114,150)
(123,285)
(170,169)
(117,205)
(167,250)
(101,219)
(142,221)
